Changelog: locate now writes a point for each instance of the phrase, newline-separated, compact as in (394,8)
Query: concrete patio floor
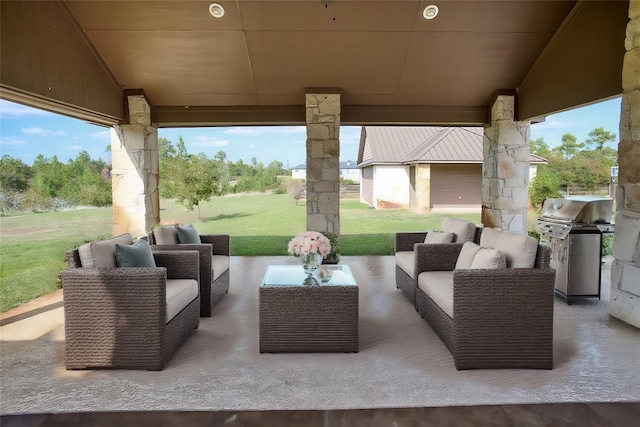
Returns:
(402,374)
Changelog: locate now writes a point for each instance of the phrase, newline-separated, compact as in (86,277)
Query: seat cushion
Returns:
(488,258)
(439,237)
(187,234)
(519,249)
(438,285)
(165,235)
(180,292)
(102,254)
(220,264)
(465,231)
(467,254)
(405,260)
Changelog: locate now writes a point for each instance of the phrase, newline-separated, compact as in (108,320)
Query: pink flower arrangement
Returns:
(309,242)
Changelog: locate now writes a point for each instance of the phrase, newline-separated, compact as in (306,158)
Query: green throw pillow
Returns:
(136,255)
(188,234)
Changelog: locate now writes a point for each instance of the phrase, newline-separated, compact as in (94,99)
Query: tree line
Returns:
(191,179)
(585,165)
(50,184)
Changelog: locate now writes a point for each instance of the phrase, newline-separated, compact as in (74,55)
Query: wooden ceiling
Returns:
(390,64)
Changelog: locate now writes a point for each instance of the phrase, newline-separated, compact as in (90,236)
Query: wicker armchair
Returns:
(116,317)
(502,318)
(214,266)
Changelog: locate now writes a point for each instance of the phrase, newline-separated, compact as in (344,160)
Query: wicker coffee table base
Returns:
(308,319)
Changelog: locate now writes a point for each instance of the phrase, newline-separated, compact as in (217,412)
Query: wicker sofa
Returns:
(490,317)
(214,262)
(131,318)
(406,243)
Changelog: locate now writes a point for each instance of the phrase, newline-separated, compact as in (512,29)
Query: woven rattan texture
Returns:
(116,317)
(502,318)
(406,284)
(212,244)
(308,319)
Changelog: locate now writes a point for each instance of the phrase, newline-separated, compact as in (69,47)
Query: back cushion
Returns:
(489,258)
(465,231)
(519,249)
(102,254)
(468,252)
(165,235)
(439,237)
(187,234)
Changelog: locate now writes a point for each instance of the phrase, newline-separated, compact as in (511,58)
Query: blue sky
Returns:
(26,132)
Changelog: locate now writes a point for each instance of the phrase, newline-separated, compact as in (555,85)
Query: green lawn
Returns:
(32,246)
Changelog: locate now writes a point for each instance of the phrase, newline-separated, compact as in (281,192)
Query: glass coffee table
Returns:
(300,318)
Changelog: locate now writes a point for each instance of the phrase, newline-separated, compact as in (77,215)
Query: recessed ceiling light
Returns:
(430,11)
(216,10)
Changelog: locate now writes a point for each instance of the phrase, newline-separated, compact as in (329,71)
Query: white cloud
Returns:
(209,141)
(246,131)
(101,134)
(75,147)
(292,129)
(11,110)
(12,140)
(42,132)
(553,124)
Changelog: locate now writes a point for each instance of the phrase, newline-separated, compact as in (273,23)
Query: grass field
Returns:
(32,246)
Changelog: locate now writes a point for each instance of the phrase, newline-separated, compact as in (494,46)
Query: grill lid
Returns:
(578,210)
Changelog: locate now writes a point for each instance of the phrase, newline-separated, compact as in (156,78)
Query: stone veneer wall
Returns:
(625,272)
(134,174)
(323,166)
(505,169)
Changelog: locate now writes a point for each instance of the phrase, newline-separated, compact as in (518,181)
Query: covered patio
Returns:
(401,363)
(138,66)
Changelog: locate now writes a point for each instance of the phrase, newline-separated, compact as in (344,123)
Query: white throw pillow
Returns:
(489,258)
(465,231)
(467,254)
(438,237)
(519,249)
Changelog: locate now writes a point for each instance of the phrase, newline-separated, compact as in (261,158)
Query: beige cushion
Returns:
(102,254)
(405,260)
(220,264)
(439,237)
(465,231)
(519,250)
(165,235)
(438,285)
(180,292)
(488,258)
(468,252)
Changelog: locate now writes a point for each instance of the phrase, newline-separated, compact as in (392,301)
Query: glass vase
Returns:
(311,262)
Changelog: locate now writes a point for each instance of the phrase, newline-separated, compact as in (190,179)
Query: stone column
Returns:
(625,272)
(135,169)
(323,164)
(505,168)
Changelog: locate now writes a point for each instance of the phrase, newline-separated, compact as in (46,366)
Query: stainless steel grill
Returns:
(574,227)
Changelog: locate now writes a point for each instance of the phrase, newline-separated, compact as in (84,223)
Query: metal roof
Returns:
(424,144)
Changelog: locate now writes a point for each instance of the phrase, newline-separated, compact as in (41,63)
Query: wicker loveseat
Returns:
(459,232)
(132,318)
(498,316)
(214,253)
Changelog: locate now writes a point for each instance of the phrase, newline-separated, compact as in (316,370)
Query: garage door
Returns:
(456,185)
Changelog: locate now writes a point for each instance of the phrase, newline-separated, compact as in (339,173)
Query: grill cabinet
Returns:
(573,227)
